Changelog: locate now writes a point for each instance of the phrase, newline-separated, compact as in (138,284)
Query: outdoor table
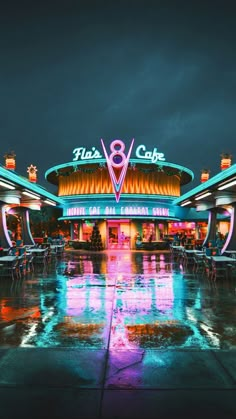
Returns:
(194,251)
(36,250)
(6,250)
(57,246)
(8,259)
(8,264)
(221,265)
(230,252)
(221,259)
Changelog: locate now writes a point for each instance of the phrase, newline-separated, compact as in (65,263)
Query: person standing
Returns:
(122,238)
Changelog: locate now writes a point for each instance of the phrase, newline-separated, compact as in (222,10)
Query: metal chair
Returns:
(30,262)
(219,270)
(188,260)
(199,265)
(207,266)
(10,269)
(41,261)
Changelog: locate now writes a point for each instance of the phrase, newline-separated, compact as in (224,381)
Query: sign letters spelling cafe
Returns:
(117,160)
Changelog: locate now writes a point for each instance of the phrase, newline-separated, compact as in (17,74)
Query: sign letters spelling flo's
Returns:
(117,160)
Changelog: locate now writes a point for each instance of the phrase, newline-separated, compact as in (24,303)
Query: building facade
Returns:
(128,191)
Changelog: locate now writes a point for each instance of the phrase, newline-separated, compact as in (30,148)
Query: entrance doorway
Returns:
(118,234)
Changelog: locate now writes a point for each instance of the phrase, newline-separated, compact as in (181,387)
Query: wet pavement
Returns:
(117,335)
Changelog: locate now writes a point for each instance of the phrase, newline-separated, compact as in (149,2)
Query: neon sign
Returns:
(120,210)
(81,153)
(153,155)
(119,161)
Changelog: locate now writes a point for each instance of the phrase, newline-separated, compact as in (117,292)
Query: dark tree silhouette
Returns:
(96,239)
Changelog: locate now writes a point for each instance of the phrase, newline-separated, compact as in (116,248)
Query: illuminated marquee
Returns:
(81,153)
(119,210)
(117,160)
(153,155)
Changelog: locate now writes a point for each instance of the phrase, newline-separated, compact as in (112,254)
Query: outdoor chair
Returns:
(188,260)
(10,270)
(30,263)
(219,270)
(232,266)
(207,267)
(199,265)
(21,265)
(52,257)
(41,261)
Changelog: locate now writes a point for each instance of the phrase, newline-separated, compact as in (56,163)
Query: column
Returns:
(165,230)
(211,230)
(25,226)
(197,232)
(230,243)
(5,238)
(157,231)
(72,230)
(80,229)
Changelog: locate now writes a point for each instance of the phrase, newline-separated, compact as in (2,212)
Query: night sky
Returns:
(162,72)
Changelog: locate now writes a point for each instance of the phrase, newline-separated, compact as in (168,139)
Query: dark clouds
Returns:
(162,72)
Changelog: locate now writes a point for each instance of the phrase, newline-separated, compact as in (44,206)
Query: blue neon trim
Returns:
(164,163)
(74,163)
(111,217)
(99,161)
(123,197)
(219,177)
(18,180)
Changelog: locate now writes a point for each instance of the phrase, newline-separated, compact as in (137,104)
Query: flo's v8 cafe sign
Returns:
(117,160)
(81,153)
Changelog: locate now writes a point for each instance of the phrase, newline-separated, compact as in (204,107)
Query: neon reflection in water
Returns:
(123,300)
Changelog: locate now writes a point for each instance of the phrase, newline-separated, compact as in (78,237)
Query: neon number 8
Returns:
(117,157)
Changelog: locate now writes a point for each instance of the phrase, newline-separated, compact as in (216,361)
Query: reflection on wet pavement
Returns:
(118,301)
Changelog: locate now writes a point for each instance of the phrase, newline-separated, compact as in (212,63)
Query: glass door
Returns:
(118,236)
(113,234)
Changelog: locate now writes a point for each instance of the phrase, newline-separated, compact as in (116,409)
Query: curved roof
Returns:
(186,175)
(208,191)
(12,182)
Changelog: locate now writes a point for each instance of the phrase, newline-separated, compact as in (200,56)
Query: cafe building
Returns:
(128,191)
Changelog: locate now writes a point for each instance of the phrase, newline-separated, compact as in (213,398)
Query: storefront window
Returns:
(87,228)
(148,232)
(186,228)
(196,230)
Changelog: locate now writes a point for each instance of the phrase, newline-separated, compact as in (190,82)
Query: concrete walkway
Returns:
(61,383)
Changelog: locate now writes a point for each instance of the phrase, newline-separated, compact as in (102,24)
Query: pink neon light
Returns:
(117,184)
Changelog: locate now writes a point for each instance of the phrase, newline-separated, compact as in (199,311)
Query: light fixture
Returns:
(185,203)
(50,202)
(203,196)
(227,185)
(6,185)
(31,195)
